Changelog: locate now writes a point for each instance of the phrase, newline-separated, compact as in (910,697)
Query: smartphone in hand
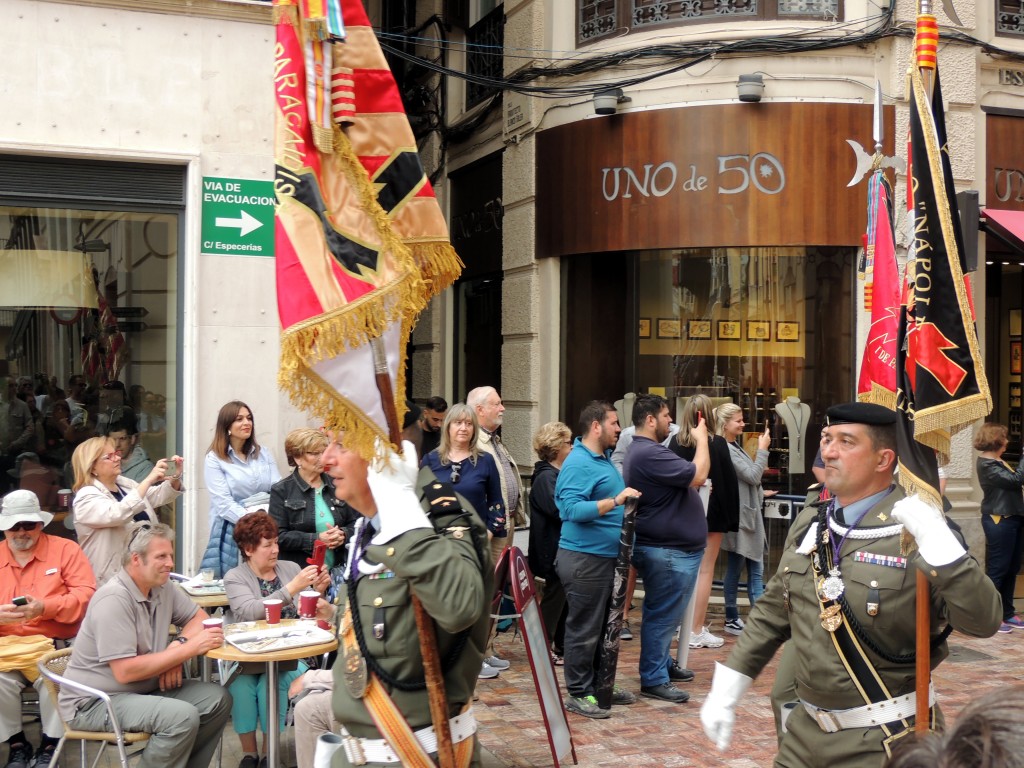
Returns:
(319,553)
(20,601)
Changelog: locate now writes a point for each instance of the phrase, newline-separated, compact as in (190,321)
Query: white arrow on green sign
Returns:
(238,217)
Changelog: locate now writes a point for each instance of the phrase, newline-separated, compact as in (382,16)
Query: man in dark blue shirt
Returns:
(671,533)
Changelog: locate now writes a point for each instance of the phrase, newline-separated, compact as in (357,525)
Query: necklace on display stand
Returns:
(798,421)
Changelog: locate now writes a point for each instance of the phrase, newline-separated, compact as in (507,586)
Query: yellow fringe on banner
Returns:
(879,395)
(438,262)
(285,11)
(323,138)
(353,325)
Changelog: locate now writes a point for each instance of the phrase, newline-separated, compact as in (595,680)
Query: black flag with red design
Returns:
(941,379)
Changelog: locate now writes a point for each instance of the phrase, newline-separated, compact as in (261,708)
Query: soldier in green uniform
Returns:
(844,596)
(436,550)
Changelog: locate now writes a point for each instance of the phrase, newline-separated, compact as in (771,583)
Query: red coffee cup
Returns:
(307,603)
(272,608)
(64,499)
(212,623)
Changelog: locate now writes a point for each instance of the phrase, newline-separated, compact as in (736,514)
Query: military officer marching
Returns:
(844,597)
(436,549)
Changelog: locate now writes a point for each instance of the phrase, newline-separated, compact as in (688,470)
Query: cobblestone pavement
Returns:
(653,733)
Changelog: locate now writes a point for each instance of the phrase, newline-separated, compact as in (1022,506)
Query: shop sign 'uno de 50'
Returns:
(734,174)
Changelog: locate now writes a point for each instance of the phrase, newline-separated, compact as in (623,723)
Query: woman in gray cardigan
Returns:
(261,576)
(746,546)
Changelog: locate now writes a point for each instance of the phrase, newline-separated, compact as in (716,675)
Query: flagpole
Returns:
(436,696)
(926,50)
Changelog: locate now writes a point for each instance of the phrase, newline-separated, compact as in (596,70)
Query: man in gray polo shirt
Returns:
(123,649)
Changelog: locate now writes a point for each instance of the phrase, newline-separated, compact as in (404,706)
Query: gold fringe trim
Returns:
(285,12)
(352,325)
(439,264)
(311,393)
(323,138)
(879,395)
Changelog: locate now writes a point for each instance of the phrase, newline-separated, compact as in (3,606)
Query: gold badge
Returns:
(831,618)
(458,531)
(356,678)
(882,516)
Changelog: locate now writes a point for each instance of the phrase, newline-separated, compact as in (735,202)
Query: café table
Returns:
(228,652)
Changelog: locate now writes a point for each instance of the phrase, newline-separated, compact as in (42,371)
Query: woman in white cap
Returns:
(106,502)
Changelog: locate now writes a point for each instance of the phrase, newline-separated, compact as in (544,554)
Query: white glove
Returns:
(935,541)
(719,711)
(392,481)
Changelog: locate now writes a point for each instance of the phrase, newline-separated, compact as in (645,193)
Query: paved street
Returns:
(652,733)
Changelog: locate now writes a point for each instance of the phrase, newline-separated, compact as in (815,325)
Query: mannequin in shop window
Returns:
(796,416)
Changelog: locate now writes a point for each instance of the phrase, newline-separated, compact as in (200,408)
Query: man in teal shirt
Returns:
(590,495)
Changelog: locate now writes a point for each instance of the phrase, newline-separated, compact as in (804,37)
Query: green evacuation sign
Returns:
(238,217)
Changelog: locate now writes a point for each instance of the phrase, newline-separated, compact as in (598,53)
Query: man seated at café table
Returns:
(125,650)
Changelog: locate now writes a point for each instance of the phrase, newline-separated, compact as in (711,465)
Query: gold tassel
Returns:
(285,12)
(323,138)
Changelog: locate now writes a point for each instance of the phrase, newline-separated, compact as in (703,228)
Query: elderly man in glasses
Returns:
(50,583)
(124,649)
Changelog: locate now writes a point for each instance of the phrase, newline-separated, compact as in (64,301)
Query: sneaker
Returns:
(665,692)
(44,758)
(487,672)
(557,660)
(679,674)
(734,626)
(1004,629)
(626,633)
(705,639)
(586,706)
(249,761)
(623,698)
(1015,621)
(498,663)
(263,762)
(20,756)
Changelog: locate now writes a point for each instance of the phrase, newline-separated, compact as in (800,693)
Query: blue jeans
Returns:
(1003,542)
(669,577)
(731,585)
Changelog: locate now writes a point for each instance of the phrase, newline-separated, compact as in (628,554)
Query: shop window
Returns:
(597,19)
(770,329)
(89,328)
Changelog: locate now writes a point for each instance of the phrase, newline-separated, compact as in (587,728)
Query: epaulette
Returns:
(441,499)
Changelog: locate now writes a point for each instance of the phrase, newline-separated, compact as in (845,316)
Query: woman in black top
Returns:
(1002,516)
(723,505)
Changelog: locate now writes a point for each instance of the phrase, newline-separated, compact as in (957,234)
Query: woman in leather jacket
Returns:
(1002,516)
(304,506)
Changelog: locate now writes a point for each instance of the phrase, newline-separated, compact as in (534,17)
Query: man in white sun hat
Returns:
(45,586)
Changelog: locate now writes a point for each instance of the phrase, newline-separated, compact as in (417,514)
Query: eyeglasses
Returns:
(112,456)
(141,527)
(456,471)
(23,526)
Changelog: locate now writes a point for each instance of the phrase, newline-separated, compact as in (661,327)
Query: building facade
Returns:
(666,236)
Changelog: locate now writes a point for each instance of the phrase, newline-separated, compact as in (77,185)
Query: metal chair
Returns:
(52,667)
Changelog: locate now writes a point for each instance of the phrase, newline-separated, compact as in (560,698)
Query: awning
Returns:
(1005,226)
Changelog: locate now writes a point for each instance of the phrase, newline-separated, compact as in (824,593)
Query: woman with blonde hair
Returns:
(723,507)
(746,546)
(552,444)
(472,473)
(304,506)
(107,503)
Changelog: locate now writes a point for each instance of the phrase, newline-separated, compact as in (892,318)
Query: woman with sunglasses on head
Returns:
(470,471)
(107,503)
(304,505)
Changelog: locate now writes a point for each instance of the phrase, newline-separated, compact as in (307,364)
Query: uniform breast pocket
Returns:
(873,591)
(796,581)
(388,621)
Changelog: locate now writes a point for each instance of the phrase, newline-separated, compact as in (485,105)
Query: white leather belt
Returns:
(868,716)
(363,751)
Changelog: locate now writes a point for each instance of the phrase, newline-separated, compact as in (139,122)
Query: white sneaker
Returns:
(705,639)
(487,672)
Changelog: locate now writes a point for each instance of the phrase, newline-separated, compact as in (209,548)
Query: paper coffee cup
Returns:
(272,609)
(212,623)
(307,603)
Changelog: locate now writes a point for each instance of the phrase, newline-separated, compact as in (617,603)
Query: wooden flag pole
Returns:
(436,696)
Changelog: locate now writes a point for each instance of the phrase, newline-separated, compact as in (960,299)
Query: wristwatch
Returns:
(180,639)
